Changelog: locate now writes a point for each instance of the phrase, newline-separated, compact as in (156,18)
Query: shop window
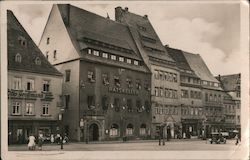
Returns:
(46,84)
(18,58)
(105,79)
(91,102)
(67,75)
(129,82)
(129,105)
(129,61)
(38,61)
(67,99)
(105,55)
(16,108)
(30,108)
(117,81)
(104,103)
(143,129)
(121,59)
(114,130)
(113,57)
(91,76)
(30,85)
(17,83)
(45,109)
(129,129)
(117,104)
(138,84)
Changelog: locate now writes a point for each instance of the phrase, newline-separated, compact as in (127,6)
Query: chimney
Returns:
(219,77)
(119,12)
(126,9)
(145,16)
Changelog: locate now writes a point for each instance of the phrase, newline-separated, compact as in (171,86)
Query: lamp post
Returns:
(60,117)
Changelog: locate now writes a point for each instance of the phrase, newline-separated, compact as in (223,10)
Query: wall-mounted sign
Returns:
(123,91)
(29,95)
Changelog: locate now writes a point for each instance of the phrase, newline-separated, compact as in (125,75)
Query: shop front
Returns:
(191,128)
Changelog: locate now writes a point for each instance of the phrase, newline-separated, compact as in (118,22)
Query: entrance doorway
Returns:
(93,132)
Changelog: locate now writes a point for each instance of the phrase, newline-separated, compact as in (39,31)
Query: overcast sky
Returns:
(211,30)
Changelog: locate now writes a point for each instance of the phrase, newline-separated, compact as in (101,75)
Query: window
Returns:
(38,61)
(67,76)
(117,104)
(146,85)
(156,74)
(46,85)
(91,76)
(104,103)
(105,79)
(156,91)
(89,51)
(96,53)
(129,82)
(54,55)
(161,92)
(67,99)
(184,93)
(114,130)
(30,85)
(46,109)
(18,58)
(17,83)
(147,106)
(129,61)
(48,40)
(22,41)
(143,129)
(175,77)
(105,55)
(30,108)
(210,97)
(129,105)
(191,94)
(206,97)
(216,84)
(91,102)
(16,108)
(205,82)
(129,129)
(138,84)
(138,106)
(113,57)
(136,63)
(117,81)
(121,59)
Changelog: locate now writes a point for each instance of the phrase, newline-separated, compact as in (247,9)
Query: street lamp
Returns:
(60,117)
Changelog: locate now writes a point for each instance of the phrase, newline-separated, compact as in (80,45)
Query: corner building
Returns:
(106,83)
(165,74)
(34,87)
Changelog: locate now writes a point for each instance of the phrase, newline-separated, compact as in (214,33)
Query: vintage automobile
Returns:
(217,138)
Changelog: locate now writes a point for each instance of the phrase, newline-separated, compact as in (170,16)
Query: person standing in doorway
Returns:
(40,141)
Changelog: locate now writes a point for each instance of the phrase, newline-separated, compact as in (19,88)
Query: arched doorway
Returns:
(93,132)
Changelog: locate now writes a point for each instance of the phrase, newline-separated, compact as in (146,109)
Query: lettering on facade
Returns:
(28,95)
(123,91)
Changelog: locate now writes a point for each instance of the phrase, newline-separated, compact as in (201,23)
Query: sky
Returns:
(209,29)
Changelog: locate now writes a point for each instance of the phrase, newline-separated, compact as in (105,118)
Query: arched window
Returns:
(129,129)
(114,130)
(18,58)
(143,129)
(38,61)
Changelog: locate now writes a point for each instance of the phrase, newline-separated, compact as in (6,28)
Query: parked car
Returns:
(217,138)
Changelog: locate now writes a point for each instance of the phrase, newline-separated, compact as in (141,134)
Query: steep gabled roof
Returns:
(230,82)
(150,43)
(83,25)
(199,67)
(29,52)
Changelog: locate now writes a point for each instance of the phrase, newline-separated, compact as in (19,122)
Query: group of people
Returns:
(40,140)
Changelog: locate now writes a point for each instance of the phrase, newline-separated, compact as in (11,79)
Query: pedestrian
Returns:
(237,139)
(40,141)
(31,144)
(52,139)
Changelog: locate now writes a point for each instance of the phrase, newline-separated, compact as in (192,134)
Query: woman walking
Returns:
(31,144)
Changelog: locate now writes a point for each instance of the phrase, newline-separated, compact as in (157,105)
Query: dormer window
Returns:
(136,63)
(121,59)
(18,58)
(89,51)
(48,40)
(38,61)
(113,57)
(22,41)
(105,55)
(96,53)
(129,61)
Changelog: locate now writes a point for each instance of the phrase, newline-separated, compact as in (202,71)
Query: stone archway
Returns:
(93,132)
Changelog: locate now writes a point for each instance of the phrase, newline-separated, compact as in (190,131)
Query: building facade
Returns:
(34,87)
(106,83)
(165,81)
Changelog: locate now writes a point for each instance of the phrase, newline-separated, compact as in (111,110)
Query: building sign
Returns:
(123,91)
(29,95)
